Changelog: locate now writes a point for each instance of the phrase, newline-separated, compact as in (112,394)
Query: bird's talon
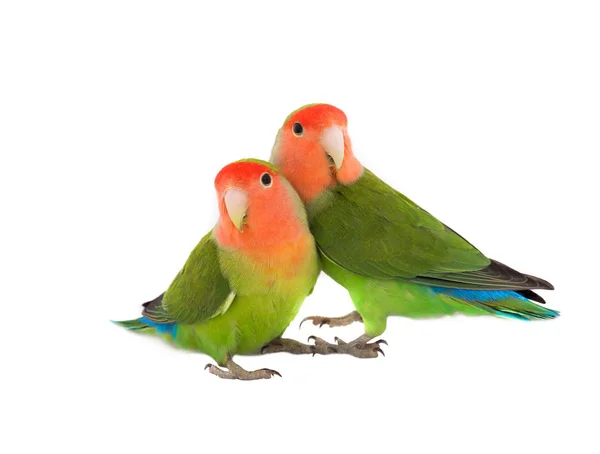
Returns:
(381,341)
(303,320)
(314,338)
(272,372)
(380,351)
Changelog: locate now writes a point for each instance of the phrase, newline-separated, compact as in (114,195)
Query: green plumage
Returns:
(132,325)
(198,292)
(391,255)
(222,316)
(391,237)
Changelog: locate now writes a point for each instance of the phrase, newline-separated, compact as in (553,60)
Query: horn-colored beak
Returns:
(236,203)
(332,139)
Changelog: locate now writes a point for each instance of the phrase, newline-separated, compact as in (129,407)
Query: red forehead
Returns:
(317,115)
(242,171)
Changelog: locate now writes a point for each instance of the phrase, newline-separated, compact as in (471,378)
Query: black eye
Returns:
(266,180)
(297,129)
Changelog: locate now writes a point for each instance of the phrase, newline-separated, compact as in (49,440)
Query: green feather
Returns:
(133,325)
(390,236)
(199,291)
(225,302)
(388,252)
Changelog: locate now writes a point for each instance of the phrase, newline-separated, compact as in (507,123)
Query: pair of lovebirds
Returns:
(316,207)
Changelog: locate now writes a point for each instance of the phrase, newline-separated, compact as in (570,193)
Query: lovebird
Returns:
(393,257)
(244,282)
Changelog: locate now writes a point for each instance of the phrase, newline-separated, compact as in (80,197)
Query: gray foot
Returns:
(235,372)
(334,321)
(359,348)
(292,346)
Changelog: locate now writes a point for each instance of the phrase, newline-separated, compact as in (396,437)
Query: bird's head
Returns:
(313,150)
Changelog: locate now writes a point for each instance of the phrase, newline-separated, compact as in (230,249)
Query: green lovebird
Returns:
(393,257)
(245,281)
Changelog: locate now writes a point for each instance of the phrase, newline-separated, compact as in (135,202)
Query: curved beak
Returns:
(236,203)
(332,139)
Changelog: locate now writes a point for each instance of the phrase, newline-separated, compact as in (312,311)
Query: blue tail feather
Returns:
(144,323)
(480,296)
(505,303)
(161,328)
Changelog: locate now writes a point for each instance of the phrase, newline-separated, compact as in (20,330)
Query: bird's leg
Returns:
(282,344)
(334,321)
(359,347)
(235,372)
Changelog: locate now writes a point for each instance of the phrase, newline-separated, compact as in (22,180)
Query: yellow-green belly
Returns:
(249,323)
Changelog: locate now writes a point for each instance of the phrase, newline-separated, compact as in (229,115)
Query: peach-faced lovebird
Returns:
(245,281)
(393,257)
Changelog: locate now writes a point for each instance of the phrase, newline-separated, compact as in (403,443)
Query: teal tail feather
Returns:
(504,303)
(134,325)
(142,324)
(519,309)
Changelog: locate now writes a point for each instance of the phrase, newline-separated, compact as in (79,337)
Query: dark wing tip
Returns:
(542,284)
(531,295)
(527,281)
(495,276)
(154,311)
(155,302)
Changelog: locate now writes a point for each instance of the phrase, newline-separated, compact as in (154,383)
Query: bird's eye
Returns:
(297,129)
(266,180)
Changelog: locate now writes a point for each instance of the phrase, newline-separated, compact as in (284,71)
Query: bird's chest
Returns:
(274,271)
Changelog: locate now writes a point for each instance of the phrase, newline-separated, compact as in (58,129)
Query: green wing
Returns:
(371,229)
(199,292)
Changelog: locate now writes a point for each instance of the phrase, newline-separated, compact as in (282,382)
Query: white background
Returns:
(115,118)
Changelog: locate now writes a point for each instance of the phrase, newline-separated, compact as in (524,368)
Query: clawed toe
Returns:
(357,348)
(317,340)
(270,373)
(219,372)
(333,321)
(317,321)
(235,372)
(272,347)
(375,346)
(339,341)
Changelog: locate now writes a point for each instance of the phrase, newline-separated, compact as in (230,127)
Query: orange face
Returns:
(314,152)
(257,206)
